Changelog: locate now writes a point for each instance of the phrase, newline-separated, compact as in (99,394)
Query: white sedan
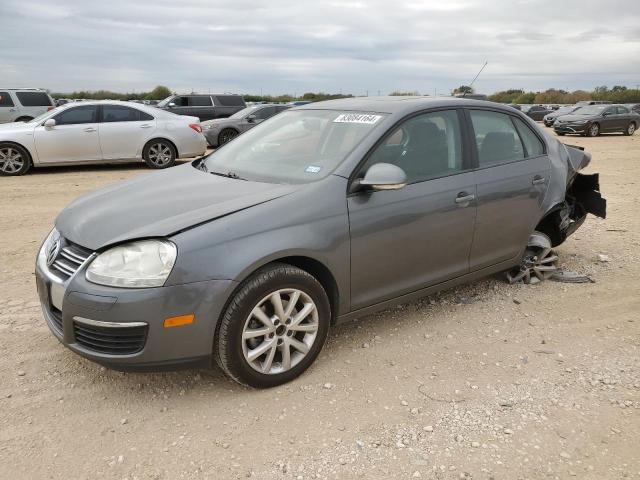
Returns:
(99,132)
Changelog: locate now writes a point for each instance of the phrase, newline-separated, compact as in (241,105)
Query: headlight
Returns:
(140,264)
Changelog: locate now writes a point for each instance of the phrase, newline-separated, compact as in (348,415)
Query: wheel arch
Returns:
(549,224)
(155,139)
(313,267)
(17,144)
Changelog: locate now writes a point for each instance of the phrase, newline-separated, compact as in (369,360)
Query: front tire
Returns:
(159,154)
(273,328)
(631,129)
(594,130)
(14,160)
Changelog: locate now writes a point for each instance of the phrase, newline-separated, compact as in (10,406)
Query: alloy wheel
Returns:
(631,129)
(594,130)
(11,160)
(539,261)
(280,331)
(226,136)
(160,154)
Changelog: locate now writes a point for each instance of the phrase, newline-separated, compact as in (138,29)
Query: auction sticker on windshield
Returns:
(357,118)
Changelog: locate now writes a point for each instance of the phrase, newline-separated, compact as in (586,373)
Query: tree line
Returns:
(616,94)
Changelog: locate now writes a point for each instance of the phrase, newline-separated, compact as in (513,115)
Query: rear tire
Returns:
(260,345)
(594,130)
(14,160)
(560,134)
(159,154)
(631,129)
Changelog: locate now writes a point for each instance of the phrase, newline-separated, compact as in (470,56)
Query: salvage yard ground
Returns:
(485,381)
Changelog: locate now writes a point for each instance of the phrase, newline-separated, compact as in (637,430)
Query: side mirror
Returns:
(49,123)
(171,105)
(383,176)
(606,114)
(251,118)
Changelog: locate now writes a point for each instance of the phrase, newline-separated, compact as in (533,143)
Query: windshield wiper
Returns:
(235,176)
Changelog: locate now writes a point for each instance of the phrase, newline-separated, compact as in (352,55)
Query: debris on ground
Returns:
(567,276)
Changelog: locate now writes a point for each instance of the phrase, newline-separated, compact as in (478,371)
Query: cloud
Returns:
(287,46)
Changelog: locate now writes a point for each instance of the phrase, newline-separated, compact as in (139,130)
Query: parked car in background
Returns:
(99,132)
(550,118)
(222,130)
(515,105)
(584,103)
(297,103)
(537,112)
(205,107)
(62,101)
(593,120)
(322,214)
(23,104)
(634,107)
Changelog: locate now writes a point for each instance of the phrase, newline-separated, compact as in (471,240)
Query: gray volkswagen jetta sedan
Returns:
(320,214)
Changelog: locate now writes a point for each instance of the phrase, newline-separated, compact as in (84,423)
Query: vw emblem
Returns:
(52,253)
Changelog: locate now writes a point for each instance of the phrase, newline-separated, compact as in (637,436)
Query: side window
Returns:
(77,115)
(34,99)
(230,100)
(265,113)
(623,110)
(496,138)
(118,113)
(181,101)
(145,117)
(532,144)
(200,101)
(426,146)
(609,111)
(5,100)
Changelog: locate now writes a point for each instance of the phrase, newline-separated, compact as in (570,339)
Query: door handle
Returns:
(13,109)
(464,197)
(90,129)
(146,125)
(537,180)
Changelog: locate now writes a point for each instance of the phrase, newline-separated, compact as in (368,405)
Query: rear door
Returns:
(227,105)
(74,138)
(404,240)
(8,108)
(610,120)
(512,179)
(124,131)
(623,115)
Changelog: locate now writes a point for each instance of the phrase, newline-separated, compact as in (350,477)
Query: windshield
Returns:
(590,110)
(45,115)
(165,102)
(293,147)
(568,109)
(244,112)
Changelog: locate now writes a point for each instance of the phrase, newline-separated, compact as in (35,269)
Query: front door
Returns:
(74,138)
(404,240)
(512,179)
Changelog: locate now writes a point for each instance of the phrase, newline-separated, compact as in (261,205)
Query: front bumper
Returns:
(211,136)
(570,128)
(123,328)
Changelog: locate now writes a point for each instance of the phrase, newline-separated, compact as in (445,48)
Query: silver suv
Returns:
(23,104)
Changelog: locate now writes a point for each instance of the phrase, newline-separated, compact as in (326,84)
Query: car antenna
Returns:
(464,94)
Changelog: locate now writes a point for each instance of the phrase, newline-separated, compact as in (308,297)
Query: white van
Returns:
(23,104)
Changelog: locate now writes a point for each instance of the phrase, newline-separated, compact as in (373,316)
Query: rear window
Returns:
(5,100)
(34,99)
(230,100)
(200,101)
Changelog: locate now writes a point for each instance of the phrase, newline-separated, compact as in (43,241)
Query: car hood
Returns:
(16,126)
(576,118)
(159,205)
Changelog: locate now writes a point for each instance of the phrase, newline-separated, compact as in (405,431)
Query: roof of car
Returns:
(139,106)
(397,104)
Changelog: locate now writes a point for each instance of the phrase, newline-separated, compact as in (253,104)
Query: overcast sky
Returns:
(294,46)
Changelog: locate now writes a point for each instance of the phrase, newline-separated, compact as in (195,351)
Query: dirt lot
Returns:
(485,381)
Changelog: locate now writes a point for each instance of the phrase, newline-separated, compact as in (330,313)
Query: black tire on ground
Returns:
(14,160)
(228,341)
(631,129)
(593,130)
(226,135)
(24,119)
(159,154)
(560,134)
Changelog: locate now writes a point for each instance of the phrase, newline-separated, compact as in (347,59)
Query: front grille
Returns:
(56,316)
(110,340)
(69,259)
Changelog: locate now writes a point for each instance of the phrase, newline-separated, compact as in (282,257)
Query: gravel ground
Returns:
(484,381)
